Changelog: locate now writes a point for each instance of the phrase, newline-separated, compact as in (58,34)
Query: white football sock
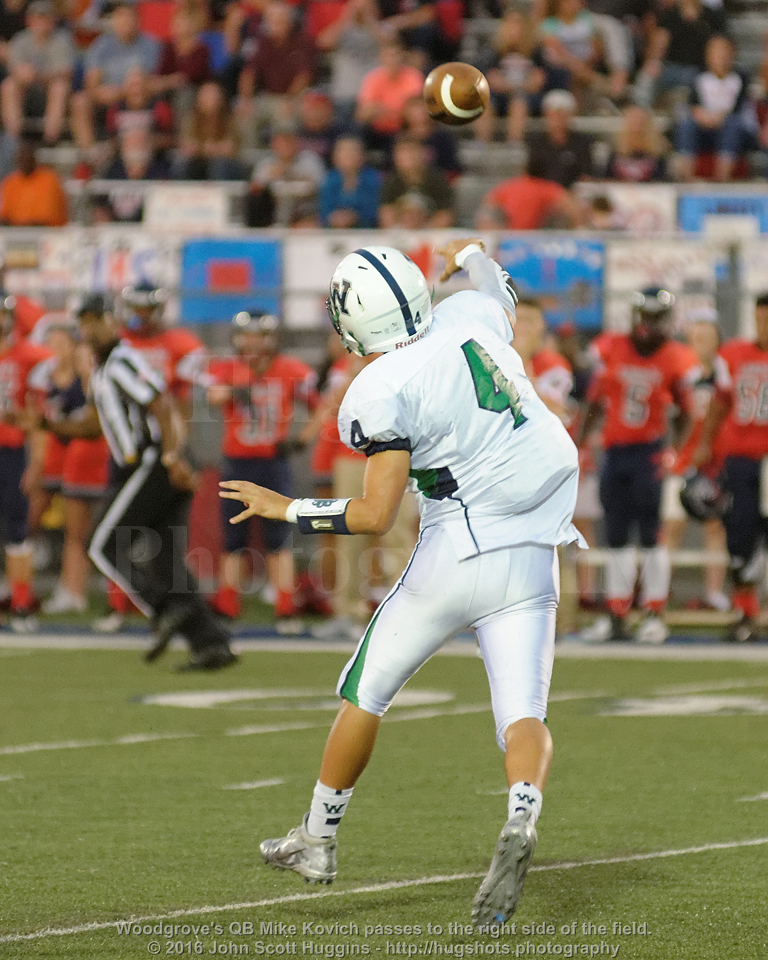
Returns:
(620,573)
(654,575)
(522,797)
(328,807)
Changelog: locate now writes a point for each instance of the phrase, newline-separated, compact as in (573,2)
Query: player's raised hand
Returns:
(259,501)
(450,250)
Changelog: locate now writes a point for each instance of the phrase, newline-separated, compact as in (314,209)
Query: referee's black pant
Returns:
(140,542)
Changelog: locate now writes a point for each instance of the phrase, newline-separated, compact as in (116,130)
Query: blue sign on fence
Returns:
(219,277)
(693,209)
(565,275)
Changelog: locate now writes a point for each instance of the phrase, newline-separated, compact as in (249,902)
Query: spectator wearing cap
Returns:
(293,177)
(714,120)
(108,62)
(353,39)
(528,202)
(349,197)
(414,191)
(32,195)
(40,63)
(318,130)
(676,50)
(560,153)
(384,92)
(280,68)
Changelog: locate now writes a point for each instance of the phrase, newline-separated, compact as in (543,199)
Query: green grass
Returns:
(107,832)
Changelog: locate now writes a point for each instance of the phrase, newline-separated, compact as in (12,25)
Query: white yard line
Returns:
(128,740)
(570,650)
(255,784)
(760,796)
(11,776)
(373,888)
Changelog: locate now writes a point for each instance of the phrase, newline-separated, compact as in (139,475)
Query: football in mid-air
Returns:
(456,93)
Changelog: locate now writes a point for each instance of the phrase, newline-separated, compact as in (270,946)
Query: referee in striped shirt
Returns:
(150,492)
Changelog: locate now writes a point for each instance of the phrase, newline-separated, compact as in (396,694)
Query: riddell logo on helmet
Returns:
(406,343)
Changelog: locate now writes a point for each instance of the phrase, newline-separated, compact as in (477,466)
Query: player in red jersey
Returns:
(548,370)
(17,359)
(174,352)
(639,376)
(257,391)
(703,337)
(740,408)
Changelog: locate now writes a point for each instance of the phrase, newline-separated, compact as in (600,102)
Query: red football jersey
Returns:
(636,391)
(176,354)
(26,314)
(552,376)
(16,364)
(260,413)
(743,384)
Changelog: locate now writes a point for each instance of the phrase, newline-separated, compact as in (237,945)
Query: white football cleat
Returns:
(652,631)
(314,858)
(499,893)
(62,601)
(112,623)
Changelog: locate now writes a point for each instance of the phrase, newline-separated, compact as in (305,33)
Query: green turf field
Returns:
(118,808)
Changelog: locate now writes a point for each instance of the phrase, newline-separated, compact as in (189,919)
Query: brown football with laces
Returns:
(456,93)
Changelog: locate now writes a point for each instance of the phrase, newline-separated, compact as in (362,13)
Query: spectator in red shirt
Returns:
(528,202)
(184,60)
(384,93)
(281,66)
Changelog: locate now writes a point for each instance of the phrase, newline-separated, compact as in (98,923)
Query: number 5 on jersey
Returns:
(494,391)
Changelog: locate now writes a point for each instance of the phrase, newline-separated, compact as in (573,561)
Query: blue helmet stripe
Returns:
(395,287)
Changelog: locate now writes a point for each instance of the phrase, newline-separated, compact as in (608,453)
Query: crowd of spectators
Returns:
(318,102)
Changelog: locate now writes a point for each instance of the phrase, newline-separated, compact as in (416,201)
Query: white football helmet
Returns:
(379,301)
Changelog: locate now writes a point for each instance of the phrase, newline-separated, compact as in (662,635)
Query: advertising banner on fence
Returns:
(699,213)
(56,265)
(565,274)
(688,268)
(639,208)
(219,277)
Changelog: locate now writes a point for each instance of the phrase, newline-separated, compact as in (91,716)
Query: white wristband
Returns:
(292,511)
(462,255)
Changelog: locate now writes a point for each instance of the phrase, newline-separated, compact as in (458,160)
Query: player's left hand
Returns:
(450,250)
(259,501)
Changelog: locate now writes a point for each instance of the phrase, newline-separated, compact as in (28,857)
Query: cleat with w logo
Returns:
(314,858)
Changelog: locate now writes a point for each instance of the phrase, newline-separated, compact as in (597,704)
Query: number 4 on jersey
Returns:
(494,391)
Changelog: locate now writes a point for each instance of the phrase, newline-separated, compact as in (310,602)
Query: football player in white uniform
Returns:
(447,404)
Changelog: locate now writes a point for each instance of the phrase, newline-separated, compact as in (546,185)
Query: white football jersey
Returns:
(491,462)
